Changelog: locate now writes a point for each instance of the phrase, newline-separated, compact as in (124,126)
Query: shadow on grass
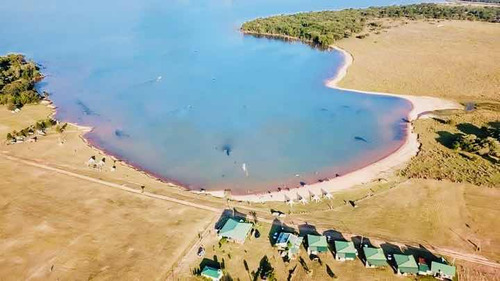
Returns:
(391,250)
(305,229)
(207,262)
(446,138)
(226,215)
(265,269)
(421,252)
(276,228)
(359,243)
(495,125)
(471,129)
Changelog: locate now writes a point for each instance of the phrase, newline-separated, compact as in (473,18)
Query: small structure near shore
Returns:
(374,257)
(316,244)
(345,251)
(234,230)
(406,264)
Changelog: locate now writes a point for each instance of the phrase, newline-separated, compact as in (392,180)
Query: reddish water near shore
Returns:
(175,89)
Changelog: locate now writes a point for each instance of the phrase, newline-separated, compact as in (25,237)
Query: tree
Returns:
(266,270)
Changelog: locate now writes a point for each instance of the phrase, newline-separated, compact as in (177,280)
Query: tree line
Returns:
(324,28)
(17,81)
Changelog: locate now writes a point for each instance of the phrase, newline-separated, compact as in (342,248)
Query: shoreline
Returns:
(410,147)
(364,174)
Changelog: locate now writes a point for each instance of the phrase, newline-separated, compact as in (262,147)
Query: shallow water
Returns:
(174,88)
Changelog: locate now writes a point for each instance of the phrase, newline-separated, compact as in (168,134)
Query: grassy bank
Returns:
(440,159)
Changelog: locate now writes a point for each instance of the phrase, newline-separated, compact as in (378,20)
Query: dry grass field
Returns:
(16,121)
(449,59)
(58,227)
(436,160)
(54,227)
(89,230)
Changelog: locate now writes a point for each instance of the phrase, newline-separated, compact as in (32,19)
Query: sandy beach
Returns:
(421,105)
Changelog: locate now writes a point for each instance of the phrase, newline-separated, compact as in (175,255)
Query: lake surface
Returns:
(173,87)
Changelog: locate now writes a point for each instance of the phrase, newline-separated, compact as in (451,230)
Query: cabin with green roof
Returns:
(234,230)
(211,273)
(406,264)
(442,270)
(345,251)
(316,244)
(375,257)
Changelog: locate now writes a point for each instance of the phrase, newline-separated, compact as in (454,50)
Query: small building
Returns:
(289,243)
(442,270)
(423,267)
(316,244)
(374,257)
(211,273)
(345,251)
(406,264)
(234,230)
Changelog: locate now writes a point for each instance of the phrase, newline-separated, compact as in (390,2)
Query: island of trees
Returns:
(324,28)
(17,81)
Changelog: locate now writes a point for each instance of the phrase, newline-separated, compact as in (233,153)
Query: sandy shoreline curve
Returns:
(420,106)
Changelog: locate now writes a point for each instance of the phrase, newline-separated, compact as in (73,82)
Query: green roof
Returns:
(345,247)
(235,230)
(375,256)
(448,270)
(346,255)
(317,241)
(211,272)
(423,267)
(406,263)
(318,249)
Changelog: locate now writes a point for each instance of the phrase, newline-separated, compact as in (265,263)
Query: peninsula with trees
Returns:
(17,81)
(326,27)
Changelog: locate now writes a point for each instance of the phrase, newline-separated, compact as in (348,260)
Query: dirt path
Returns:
(189,253)
(110,184)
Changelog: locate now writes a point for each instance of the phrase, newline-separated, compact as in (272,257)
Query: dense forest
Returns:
(324,28)
(17,81)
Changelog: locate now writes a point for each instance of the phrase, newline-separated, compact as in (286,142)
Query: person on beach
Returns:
(142,188)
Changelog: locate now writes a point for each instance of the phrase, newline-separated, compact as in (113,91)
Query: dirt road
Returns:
(447,252)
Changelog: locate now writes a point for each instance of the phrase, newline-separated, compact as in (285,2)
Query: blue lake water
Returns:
(174,88)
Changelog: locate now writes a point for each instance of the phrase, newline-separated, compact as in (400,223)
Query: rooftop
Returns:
(316,241)
(406,263)
(375,256)
(211,272)
(236,230)
(345,247)
(443,268)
